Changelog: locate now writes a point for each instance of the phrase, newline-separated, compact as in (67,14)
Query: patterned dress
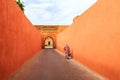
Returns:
(67,50)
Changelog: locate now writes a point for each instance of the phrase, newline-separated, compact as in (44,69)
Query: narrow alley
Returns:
(49,64)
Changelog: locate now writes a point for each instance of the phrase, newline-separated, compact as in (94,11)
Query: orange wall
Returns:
(19,40)
(94,38)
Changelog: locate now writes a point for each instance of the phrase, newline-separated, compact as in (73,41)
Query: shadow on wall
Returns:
(19,40)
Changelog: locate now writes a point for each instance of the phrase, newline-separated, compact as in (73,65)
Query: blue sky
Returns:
(55,12)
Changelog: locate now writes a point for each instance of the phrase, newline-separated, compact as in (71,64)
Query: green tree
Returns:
(21,5)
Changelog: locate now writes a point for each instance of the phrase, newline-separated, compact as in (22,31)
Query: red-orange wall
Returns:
(19,39)
(94,38)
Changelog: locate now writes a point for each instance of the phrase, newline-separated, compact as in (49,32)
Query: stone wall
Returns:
(51,28)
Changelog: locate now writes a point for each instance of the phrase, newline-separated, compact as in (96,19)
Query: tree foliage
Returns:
(21,5)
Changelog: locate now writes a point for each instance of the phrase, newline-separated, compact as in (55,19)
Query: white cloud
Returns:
(55,11)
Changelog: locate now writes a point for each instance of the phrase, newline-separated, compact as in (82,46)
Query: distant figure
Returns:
(48,42)
(67,52)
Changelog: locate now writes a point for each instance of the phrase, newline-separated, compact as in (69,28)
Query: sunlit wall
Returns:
(94,38)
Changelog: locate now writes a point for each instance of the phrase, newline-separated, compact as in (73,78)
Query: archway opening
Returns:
(49,42)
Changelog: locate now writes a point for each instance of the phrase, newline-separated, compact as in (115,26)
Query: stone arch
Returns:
(49,42)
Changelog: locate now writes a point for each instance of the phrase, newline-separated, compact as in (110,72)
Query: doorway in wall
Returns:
(49,42)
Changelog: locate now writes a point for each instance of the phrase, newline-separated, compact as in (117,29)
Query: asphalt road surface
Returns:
(50,64)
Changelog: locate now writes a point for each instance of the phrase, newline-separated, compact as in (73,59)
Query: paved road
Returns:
(49,64)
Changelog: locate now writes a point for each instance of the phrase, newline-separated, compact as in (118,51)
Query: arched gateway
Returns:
(49,42)
(48,34)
